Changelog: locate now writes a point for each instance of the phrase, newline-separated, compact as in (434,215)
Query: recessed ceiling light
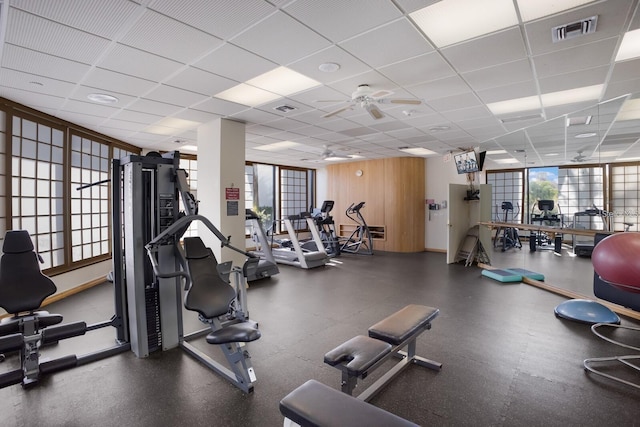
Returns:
(494,152)
(630,46)
(530,10)
(283,81)
(552,154)
(277,146)
(102,98)
(329,67)
(189,148)
(471,18)
(586,135)
(439,128)
(507,161)
(417,151)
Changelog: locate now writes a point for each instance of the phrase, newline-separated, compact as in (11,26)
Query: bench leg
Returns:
(418,360)
(349,382)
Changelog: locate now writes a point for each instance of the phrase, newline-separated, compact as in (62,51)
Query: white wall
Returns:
(438,175)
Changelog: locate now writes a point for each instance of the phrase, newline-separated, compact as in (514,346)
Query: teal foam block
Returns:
(502,275)
(527,273)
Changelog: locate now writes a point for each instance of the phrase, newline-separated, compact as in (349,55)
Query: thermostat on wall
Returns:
(359,172)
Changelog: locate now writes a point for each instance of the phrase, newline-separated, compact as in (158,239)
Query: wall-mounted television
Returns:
(466,162)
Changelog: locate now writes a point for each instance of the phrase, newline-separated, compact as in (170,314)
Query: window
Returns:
(89,205)
(580,189)
(506,187)
(293,195)
(37,186)
(49,161)
(625,193)
(273,191)
(190,165)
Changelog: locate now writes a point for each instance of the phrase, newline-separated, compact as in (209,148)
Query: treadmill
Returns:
(267,266)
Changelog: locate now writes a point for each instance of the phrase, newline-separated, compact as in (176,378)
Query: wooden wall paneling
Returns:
(393,192)
(404,207)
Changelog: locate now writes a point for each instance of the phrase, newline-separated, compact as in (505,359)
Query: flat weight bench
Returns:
(314,404)
(360,355)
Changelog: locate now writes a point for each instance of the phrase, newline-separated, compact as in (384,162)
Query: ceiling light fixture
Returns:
(472,19)
(417,151)
(329,67)
(102,98)
(277,146)
(630,46)
(530,10)
(439,128)
(586,135)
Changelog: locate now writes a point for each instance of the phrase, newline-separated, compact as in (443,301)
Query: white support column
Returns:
(221,157)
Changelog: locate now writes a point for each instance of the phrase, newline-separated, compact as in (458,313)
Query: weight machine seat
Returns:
(236,332)
(23,287)
(211,296)
(208,294)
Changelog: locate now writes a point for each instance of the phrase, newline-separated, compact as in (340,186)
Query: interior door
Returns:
(458,220)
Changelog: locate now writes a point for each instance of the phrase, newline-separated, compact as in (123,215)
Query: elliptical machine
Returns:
(360,240)
(508,235)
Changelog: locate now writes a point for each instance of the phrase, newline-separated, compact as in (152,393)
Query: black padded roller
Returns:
(11,343)
(59,364)
(11,378)
(62,332)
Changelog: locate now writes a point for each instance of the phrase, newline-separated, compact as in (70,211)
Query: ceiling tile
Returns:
(626,70)
(420,69)
(154,107)
(134,62)
(176,41)
(117,82)
(234,63)
(49,37)
(34,99)
(21,59)
(504,46)
(172,95)
(222,18)
(34,83)
(512,91)
(338,19)
(582,57)
(202,82)
(500,75)
(393,42)
(456,102)
(441,88)
(92,16)
(137,117)
(582,78)
(349,65)
(281,39)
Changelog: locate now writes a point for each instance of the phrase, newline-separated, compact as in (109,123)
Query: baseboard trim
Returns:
(442,251)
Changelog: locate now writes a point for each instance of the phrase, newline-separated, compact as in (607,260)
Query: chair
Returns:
(23,288)
(616,279)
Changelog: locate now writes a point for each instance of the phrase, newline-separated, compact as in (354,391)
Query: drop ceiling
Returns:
(165,61)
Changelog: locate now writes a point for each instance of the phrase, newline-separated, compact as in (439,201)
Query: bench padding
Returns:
(314,404)
(237,332)
(360,352)
(398,327)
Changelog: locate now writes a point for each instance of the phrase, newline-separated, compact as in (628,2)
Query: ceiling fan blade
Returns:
(374,111)
(338,111)
(405,101)
(330,100)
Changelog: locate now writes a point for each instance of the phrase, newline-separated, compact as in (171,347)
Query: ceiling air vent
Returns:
(574,29)
(284,108)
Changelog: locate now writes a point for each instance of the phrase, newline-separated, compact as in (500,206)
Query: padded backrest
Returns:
(208,294)
(23,287)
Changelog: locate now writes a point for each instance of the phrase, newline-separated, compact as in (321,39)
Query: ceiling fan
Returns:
(367,98)
(579,158)
(327,153)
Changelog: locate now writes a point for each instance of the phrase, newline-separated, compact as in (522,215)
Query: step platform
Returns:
(511,275)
